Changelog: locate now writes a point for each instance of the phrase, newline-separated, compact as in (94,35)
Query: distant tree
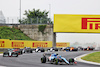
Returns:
(35,16)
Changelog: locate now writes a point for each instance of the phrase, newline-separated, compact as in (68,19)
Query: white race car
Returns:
(52,49)
(38,49)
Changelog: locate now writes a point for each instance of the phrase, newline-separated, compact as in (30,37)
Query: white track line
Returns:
(89,62)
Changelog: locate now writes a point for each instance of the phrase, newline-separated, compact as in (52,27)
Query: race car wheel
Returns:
(43,59)
(56,61)
(4,54)
(42,50)
(75,50)
(71,60)
(31,51)
(56,49)
(16,55)
(21,52)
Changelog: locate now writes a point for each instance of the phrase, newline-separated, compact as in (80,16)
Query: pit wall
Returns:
(6,43)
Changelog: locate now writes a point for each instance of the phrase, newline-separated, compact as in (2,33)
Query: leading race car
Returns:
(56,59)
(10,53)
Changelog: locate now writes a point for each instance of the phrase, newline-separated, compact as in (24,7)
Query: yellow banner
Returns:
(77,23)
(42,44)
(62,44)
(6,43)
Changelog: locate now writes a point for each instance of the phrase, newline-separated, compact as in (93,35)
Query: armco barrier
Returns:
(6,43)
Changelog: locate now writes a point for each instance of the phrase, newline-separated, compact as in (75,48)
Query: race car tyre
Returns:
(24,52)
(16,55)
(71,60)
(31,51)
(56,61)
(42,50)
(21,52)
(43,59)
(75,50)
(4,55)
(56,49)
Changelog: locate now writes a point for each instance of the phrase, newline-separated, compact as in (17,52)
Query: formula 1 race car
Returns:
(10,53)
(18,50)
(56,59)
(52,49)
(27,50)
(69,49)
(89,48)
(38,49)
(80,48)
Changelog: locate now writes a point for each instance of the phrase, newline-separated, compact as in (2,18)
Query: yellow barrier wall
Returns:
(6,43)
(62,44)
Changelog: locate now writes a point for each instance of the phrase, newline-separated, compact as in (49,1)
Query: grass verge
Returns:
(93,57)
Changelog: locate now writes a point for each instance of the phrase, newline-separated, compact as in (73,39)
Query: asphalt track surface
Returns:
(33,60)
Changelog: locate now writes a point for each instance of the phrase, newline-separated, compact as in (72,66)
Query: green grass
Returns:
(12,33)
(94,57)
